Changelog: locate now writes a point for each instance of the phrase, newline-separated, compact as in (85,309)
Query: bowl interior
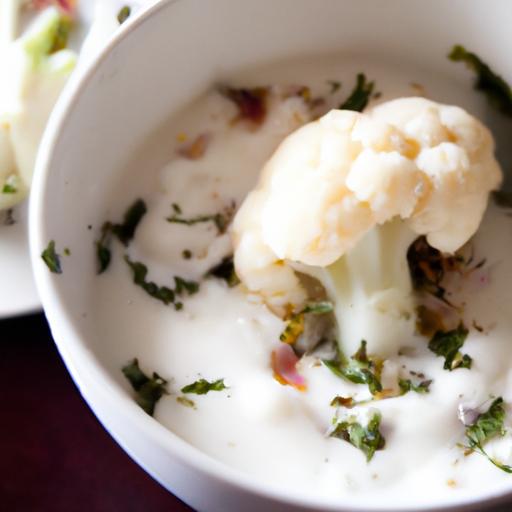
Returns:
(103,128)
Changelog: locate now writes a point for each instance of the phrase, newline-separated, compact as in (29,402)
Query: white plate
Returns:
(18,294)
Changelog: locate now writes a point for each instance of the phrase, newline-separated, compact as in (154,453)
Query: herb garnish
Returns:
(487,426)
(147,390)
(225,270)
(9,189)
(359,369)
(202,386)
(407,385)
(221,220)
(51,258)
(359,96)
(182,285)
(161,293)
(367,439)
(296,324)
(447,344)
(187,254)
(123,14)
(124,231)
(498,92)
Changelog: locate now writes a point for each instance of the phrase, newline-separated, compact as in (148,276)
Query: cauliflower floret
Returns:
(342,199)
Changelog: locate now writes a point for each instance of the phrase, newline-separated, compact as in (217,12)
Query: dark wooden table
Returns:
(54,455)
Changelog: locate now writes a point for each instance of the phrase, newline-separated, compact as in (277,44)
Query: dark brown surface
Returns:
(54,455)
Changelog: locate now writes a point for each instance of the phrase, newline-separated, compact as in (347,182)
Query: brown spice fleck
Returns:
(196,149)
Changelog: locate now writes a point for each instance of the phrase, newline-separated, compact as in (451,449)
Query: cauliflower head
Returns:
(354,183)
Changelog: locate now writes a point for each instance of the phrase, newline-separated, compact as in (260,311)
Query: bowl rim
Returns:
(73,349)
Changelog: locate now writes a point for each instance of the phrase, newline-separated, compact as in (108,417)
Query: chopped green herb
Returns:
(9,189)
(147,390)
(123,14)
(487,426)
(220,221)
(498,92)
(296,324)
(51,258)
(318,308)
(183,285)
(183,400)
(187,254)
(359,96)
(12,184)
(359,369)
(202,386)
(448,344)
(140,272)
(407,385)
(66,251)
(367,439)
(103,255)
(335,85)
(161,293)
(177,208)
(225,270)
(294,328)
(124,232)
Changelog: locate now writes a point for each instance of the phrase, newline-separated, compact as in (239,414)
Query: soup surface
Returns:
(192,175)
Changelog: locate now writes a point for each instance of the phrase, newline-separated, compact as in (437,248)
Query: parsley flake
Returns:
(202,386)
(421,387)
(447,344)
(498,92)
(367,439)
(123,14)
(296,324)
(488,425)
(9,189)
(162,293)
(124,231)
(359,96)
(51,258)
(219,220)
(140,272)
(359,369)
(182,285)
(148,390)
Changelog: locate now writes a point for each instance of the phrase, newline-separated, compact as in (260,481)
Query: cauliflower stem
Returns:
(371,290)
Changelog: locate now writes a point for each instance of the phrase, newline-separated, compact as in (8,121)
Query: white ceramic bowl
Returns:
(155,65)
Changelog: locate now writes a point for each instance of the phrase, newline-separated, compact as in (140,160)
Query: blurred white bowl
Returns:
(161,61)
